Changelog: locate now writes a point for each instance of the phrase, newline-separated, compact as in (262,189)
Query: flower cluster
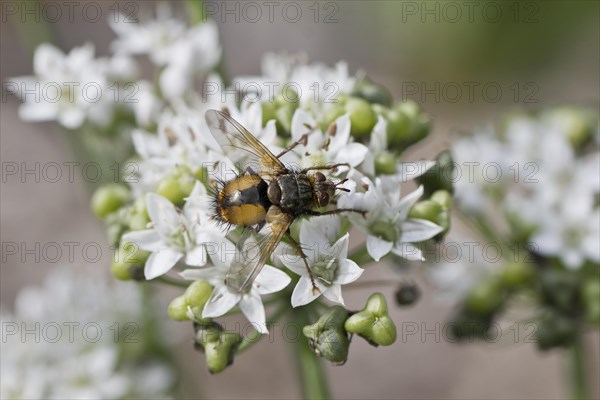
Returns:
(79,337)
(539,176)
(164,218)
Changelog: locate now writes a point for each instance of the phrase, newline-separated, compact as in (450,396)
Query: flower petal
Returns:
(196,257)
(293,262)
(353,154)
(303,292)
(148,239)
(408,251)
(418,230)
(334,293)
(194,274)
(271,280)
(221,300)
(253,309)
(408,201)
(160,262)
(349,272)
(163,214)
(377,247)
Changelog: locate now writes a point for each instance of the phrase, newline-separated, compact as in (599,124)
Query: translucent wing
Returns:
(241,146)
(255,250)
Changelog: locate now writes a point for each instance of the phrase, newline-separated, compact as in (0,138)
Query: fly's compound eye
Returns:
(322,199)
(319,177)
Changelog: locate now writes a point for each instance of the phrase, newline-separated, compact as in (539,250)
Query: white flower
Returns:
(270,280)
(334,146)
(66,361)
(171,45)
(176,234)
(329,264)
(572,233)
(387,224)
(70,88)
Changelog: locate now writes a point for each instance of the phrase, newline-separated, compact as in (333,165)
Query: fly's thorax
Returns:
(292,192)
(243,200)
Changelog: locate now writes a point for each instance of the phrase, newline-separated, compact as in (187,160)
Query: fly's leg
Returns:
(336,211)
(322,167)
(302,141)
(298,248)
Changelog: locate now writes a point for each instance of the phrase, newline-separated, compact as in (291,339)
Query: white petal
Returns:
(148,239)
(71,118)
(196,257)
(163,213)
(271,280)
(353,154)
(412,170)
(418,230)
(194,274)
(221,301)
(293,262)
(160,262)
(253,309)
(408,251)
(334,293)
(303,292)
(377,247)
(408,201)
(342,134)
(349,272)
(300,121)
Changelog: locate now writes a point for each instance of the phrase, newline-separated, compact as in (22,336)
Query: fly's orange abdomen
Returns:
(243,201)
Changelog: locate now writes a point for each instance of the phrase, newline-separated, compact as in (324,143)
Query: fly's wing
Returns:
(241,146)
(255,250)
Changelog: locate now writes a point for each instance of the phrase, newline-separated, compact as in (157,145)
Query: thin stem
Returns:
(310,368)
(578,369)
(172,281)
(195,10)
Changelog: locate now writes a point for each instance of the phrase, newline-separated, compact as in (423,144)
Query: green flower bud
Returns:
(196,295)
(432,211)
(517,274)
(373,322)
(555,330)
(372,92)
(138,222)
(443,198)
(560,289)
(287,95)
(407,294)
(485,298)
(439,177)
(219,346)
(177,309)
(590,296)
(327,337)
(177,185)
(283,116)
(385,163)
(581,123)
(109,198)
(362,117)
(128,261)
(269,108)
(334,112)
(407,125)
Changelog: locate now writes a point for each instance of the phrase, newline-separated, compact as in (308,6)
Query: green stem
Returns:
(172,281)
(310,368)
(195,11)
(578,369)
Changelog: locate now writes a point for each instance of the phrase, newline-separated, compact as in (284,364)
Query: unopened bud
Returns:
(373,322)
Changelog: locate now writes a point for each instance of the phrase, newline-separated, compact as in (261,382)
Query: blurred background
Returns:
(537,53)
